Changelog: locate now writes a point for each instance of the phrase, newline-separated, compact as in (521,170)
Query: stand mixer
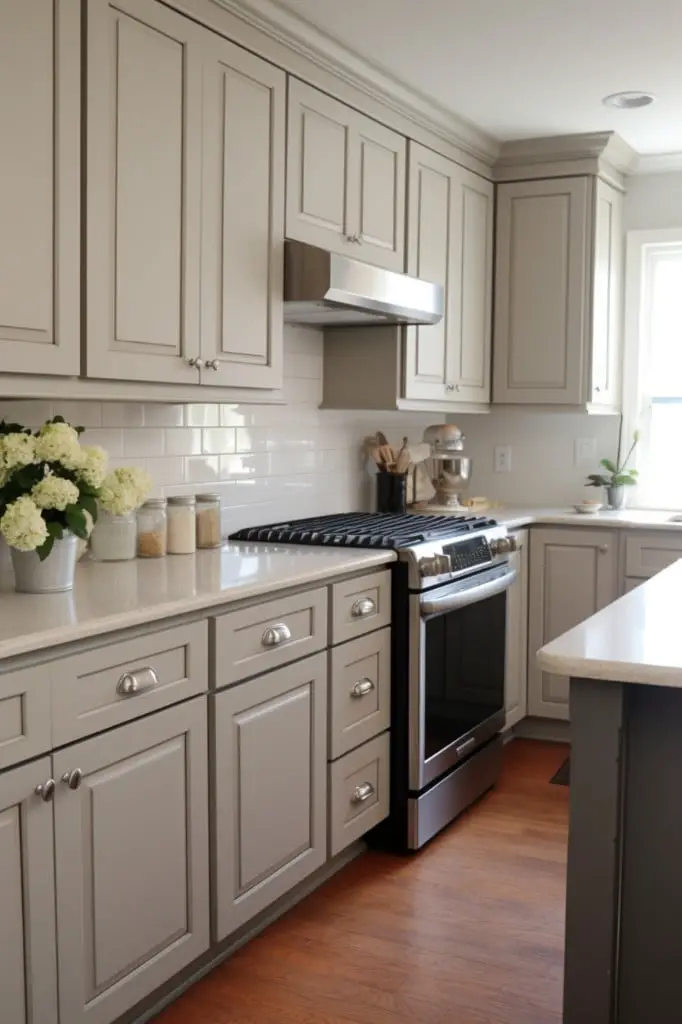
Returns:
(450,469)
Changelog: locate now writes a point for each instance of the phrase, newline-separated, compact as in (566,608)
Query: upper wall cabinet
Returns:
(345,180)
(558,293)
(450,240)
(185,187)
(40,175)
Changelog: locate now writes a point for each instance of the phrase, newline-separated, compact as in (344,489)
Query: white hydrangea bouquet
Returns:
(49,484)
(124,489)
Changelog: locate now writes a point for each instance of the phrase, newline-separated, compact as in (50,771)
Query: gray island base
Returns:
(623,959)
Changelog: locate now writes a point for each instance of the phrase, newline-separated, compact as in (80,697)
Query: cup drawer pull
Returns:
(275,635)
(362,688)
(362,792)
(142,680)
(363,607)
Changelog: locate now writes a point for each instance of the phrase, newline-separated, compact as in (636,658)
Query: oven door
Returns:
(457,659)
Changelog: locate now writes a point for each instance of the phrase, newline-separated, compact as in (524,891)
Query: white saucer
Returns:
(588,510)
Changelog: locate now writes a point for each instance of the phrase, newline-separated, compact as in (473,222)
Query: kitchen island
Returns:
(624,889)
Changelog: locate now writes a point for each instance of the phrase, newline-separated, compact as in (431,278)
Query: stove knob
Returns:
(503,545)
(436,565)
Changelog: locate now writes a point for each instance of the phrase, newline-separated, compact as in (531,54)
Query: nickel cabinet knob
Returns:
(212,364)
(46,790)
(362,792)
(362,607)
(196,362)
(73,778)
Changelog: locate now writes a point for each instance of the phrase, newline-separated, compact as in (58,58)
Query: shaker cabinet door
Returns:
(40,194)
(541,292)
(242,218)
(607,297)
(131,842)
(450,241)
(28,955)
(573,574)
(270,788)
(143,183)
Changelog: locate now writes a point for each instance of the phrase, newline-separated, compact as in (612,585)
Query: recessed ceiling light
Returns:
(628,100)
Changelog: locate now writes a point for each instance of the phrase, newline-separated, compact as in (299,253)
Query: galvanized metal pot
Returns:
(54,575)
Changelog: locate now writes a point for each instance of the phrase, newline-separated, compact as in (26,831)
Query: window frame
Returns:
(641,244)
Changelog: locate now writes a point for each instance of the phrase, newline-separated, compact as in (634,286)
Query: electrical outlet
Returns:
(503,457)
(585,450)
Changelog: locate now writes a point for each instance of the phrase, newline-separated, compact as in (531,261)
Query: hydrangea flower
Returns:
(23,526)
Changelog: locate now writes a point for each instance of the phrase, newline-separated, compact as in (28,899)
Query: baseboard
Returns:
(549,729)
(173,989)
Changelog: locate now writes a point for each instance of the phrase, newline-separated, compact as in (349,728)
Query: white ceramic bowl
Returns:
(589,508)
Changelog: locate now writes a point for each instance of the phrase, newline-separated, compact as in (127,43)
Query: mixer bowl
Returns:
(449,472)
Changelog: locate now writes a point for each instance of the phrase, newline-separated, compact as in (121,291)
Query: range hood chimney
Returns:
(327,289)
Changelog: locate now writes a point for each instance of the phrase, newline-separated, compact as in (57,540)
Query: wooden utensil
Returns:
(402,462)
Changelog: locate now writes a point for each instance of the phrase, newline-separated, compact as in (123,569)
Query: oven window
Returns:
(465,658)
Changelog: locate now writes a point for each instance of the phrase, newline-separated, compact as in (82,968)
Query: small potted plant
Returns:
(617,477)
(49,486)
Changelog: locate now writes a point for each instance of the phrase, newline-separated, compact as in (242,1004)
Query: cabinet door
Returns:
(607,296)
(345,180)
(573,573)
(40,197)
(516,664)
(143,192)
(131,861)
(270,788)
(450,224)
(28,955)
(542,298)
(242,241)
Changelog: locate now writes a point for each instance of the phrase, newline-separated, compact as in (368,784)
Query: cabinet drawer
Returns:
(24,714)
(360,691)
(358,792)
(114,684)
(361,605)
(268,635)
(648,553)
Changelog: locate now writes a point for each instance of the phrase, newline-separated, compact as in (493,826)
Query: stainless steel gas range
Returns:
(448,655)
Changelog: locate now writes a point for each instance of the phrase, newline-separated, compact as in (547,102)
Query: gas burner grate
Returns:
(364,530)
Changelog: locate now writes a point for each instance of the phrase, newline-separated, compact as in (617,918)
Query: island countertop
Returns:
(110,596)
(637,639)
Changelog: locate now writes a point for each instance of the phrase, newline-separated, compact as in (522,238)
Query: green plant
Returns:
(618,474)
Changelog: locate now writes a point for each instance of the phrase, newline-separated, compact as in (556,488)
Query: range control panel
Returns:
(469,553)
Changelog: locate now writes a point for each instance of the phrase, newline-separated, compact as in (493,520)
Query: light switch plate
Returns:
(585,450)
(503,457)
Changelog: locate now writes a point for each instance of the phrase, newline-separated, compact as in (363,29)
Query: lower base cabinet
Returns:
(359,796)
(270,750)
(516,654)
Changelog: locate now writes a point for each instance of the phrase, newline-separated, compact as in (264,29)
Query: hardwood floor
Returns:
(470,931)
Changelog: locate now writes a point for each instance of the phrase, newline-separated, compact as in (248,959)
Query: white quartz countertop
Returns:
(637,639)
(117,595)
(627,519)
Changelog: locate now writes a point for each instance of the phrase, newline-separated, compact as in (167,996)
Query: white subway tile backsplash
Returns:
(167,470)
(108,438)
(29,414)
(183,441)
(144,443)
(164,415)
(217,440)
(202,415)
(82,414)
(122,414)
(200,469)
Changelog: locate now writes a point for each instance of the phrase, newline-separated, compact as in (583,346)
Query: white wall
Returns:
(654,201)
(267,462)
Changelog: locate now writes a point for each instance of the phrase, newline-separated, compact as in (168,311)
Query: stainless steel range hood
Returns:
(327,289)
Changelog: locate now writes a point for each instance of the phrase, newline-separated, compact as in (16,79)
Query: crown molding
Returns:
(291,30)
(658,163)
(604,153)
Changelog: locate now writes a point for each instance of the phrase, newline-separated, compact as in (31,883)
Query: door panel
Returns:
(28,954)
(270,823)
(242,242)
(39,199)
(143,192)
(381,215)
(516,668)
(573,575)
(607,296)
(541,292)
(472,374)
(132,861)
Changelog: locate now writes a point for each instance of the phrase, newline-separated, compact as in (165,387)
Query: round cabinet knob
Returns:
(603,549)
(212,364)
(46,790)
(449,387)
(196,363)
(73,778)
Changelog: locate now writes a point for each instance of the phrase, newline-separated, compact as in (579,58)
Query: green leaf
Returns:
(89,504)
(595,480)
(55,530)
(75,520)
(607,464)
(45,548)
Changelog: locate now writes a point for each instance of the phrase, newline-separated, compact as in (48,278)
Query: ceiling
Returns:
(524,68)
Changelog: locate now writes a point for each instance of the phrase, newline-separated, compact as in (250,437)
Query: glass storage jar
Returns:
(182,525)
(114,538)
(209,527)
(152,528)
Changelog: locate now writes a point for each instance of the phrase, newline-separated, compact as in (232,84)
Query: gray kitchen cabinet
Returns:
(131,854)
(28,954)
(40,195)
(270,753)
(450,241)
(516,660)
(242,239)
(558,292)
(573,573)
(345,180)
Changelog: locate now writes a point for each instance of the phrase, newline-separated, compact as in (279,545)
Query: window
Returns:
(653,369)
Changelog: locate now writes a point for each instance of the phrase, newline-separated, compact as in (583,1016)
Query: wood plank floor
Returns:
(470,931)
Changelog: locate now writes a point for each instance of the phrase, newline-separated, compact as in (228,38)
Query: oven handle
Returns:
(430,605)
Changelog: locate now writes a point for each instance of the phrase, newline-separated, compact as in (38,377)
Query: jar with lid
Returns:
(152,528)
(209,528)
(114,538)
(182,525)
